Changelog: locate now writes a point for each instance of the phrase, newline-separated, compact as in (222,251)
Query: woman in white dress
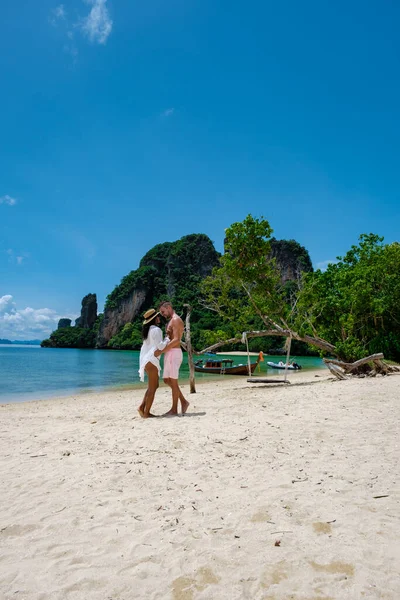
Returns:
(148,363)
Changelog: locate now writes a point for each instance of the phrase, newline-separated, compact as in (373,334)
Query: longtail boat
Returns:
(223,366)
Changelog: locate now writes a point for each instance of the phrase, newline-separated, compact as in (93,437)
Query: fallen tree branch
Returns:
(355,365)
(336,371)
(318,342)
(360,367)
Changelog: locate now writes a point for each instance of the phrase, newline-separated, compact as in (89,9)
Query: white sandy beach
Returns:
(261,492)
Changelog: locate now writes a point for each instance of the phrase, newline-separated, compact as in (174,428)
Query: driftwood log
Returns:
(369,366)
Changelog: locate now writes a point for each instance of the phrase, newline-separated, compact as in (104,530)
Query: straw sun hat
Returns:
(149,315)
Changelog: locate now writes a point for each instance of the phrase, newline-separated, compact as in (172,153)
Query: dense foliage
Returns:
(257,276)
(354,306)
(355,303)
(291,258)
(247,284)
(130,337)
(74,337)
(173,271)
(141,278)
(71,337)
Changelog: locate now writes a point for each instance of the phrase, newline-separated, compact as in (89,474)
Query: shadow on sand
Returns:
(191,414)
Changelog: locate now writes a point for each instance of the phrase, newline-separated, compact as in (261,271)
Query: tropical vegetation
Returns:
(351,310)
(262,284)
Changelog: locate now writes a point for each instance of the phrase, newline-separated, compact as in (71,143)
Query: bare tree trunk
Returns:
(189,351)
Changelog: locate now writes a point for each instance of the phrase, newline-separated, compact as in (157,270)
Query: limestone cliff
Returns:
(88,312)
(63,323)
(292,259)
(126,310)
(172,270)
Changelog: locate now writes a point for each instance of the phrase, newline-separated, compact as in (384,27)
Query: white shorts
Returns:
(172,362)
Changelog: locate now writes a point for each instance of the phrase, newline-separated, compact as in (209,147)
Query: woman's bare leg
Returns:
(143,405)
(152,374)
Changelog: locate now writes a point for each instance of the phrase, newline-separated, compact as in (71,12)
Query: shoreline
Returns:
(204,379)
(61,373)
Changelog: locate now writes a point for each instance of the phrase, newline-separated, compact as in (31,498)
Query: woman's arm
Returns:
(157,338)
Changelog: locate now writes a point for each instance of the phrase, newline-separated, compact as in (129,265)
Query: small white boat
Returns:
(293,366)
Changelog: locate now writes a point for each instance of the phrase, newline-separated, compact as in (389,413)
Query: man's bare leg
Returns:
(176,395)
(173,384)
(184,403)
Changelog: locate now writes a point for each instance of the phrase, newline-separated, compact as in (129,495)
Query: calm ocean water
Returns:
(34,373)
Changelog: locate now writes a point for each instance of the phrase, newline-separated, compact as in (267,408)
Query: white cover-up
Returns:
(153,342)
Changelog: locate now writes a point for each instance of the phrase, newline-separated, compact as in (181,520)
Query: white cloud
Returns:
(169,112)
(324,264)
(7,200)
(97,25)
(57,15)
(59,12)
(28,323)
(6,303)
(15,258)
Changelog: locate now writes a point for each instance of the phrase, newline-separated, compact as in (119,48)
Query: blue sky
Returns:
(127,124)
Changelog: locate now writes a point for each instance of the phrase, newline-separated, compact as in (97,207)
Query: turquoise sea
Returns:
(35,373)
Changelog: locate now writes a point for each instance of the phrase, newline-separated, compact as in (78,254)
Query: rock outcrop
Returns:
(115,318)
(88,312)
(172,271)
(63,323)
(292,259)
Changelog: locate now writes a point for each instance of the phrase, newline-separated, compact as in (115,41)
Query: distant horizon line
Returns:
(6,341)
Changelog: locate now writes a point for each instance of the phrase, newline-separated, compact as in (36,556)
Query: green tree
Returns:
(247,290)
(129,338)
(74,337)
(355,303)
(351,310)
(71,337)
(246,285)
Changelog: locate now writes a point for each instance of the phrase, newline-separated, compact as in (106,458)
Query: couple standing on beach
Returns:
(152,348)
